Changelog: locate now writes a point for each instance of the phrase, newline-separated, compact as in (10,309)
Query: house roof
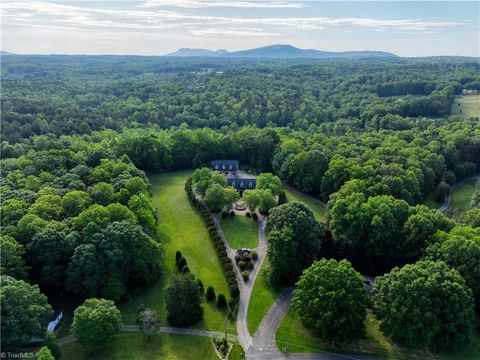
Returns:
(224,165)
(231,175)
(242,184)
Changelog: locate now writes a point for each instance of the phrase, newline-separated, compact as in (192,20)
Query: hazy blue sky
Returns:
(156,27)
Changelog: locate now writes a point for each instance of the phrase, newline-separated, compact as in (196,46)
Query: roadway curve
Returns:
(448,199)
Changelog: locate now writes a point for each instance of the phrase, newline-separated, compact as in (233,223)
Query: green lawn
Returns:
(236,353)
(462,196)
(240,231)
(136,346)
(431,202)
(181,228)
(263,297)
(292,336)
(317,207)
(469,106)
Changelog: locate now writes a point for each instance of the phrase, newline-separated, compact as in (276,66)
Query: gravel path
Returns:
(448,199)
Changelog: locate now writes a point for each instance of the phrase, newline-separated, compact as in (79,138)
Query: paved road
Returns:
(448,199)
(244,337)
(264,345)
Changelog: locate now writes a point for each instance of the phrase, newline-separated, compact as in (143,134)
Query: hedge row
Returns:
(218,244)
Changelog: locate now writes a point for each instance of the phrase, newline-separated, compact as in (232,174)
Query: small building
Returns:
(242,184)
(225,165)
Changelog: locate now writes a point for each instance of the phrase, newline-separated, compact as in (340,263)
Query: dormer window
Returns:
(216,167)
(250,185)
(242,185)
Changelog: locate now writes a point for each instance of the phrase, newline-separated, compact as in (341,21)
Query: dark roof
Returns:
(242,184)
(224,165)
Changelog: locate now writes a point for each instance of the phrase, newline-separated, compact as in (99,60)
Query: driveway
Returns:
(448,199)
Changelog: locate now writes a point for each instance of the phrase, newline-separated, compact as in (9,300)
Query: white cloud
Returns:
(232,32)
(194,4)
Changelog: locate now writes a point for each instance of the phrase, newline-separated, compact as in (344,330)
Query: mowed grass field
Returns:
(263,297)
(316,205)
(181,228)
(240,231)
(469,106)
(136,346)
(462,196)
(293,337)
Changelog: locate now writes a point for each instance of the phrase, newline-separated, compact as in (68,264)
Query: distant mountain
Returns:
(279,52)
(186,52)
(5,53)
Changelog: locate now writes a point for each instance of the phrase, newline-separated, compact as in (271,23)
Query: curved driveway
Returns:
(448,199)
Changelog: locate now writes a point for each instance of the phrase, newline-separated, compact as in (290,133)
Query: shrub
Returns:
(255,216)
(181,263)
(237,258)
(210,294)
(234,291)
(232,213)
(241,265)
(221,301)
(245,275)
(185,269)
(250,264)
(248,214)
(178,256)
(224,214)
(254,255)
(200,285)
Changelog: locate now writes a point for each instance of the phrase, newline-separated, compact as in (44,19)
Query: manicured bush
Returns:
(250,264)
(185,269)
(241,265)
(200,285)
(237,258)
(181,263)
(178,256)
(210,294)
(232,213)
(245,275)
(224,214)
(255,216)
(248,214)
(254,255)
(234,291)
(221,301)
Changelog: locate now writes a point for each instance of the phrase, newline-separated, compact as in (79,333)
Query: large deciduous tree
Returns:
(96,322)
(183,300)
(25,311)
(295,236)
(330,300)
(426,304)
(11,259)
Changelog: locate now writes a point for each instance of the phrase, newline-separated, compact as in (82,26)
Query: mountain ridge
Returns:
(278,51)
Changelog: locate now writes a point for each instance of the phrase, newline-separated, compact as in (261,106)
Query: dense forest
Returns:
(371,138)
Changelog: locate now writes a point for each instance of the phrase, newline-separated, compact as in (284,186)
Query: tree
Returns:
(204,178)
(267,201)
(268,181)
(136,185)
(230,196)
(221,301)
(48,207)
(295,241)
(471,217)
(102,193)
(306,168)
(252,199)
(75,201)
(426,304)
(372,230)
(214,197)
(460,249)
(183,300)
(44,354)
(50,253)
(330,300)
(210,294)
(25,311)
(52,344)
(96,322)
(11,261)
(13,210)
(149,322)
